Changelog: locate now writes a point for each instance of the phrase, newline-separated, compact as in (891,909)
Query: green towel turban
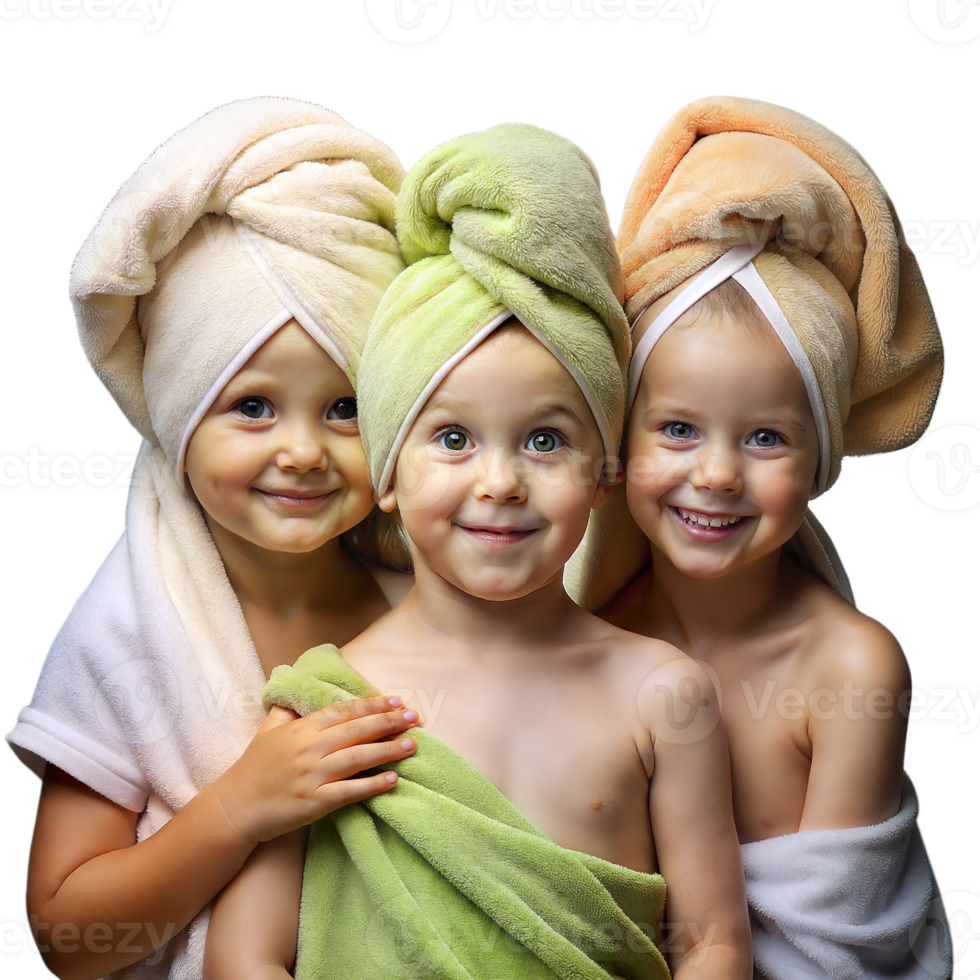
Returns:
(507,222)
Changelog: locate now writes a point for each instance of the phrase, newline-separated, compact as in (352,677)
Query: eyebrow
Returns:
(550,410)
(788,421)
(661,411)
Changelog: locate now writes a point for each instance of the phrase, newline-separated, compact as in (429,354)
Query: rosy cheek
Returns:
(653,470)
(424,484)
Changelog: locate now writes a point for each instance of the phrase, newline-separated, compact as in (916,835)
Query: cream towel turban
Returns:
(505,222)
(727,174)
(262,211)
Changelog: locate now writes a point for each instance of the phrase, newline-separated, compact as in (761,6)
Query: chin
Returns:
(700,566)
(497,591)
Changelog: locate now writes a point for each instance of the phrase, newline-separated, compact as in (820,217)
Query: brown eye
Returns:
(345,410)
(454,439)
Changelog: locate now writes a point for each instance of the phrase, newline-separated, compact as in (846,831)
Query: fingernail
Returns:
(395,702)
(391,777)
(411,717)
(407,743)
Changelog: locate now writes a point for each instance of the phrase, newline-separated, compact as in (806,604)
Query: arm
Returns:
(255,920)
(707,926)
(99,901)
(856,728)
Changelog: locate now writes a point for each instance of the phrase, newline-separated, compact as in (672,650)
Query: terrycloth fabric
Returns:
(152,687)
(728,172)
(857,904)
(507,221)
(442,877)
(725,171)
(260,211)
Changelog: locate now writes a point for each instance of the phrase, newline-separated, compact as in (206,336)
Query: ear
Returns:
(387,500)
(602,494)
(604,490)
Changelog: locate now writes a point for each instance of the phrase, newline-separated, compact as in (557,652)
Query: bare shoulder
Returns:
(843,645)
(657,672)
(856,675)
(636,648)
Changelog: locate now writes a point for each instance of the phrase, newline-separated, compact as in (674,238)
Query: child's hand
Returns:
(296,770)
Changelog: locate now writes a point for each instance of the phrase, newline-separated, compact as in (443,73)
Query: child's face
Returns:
(498,474)
(277,460)
(721,447)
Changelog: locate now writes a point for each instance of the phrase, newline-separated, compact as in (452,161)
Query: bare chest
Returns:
(764,704)
(562,750)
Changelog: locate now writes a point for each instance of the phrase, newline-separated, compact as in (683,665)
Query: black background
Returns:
(92,98)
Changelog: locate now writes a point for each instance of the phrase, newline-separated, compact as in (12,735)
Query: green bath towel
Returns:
(442,877)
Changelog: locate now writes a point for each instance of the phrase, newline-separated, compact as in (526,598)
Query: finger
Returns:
(345,711)
(373,728)
(368,728)
(355,759)
(345,791)
(277,716)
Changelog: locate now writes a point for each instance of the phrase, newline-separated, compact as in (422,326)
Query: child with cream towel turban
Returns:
(550,782)
(223,299)
(780,322)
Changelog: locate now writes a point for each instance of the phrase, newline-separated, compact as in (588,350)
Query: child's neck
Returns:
(703,611)
(292,602)
(444,612)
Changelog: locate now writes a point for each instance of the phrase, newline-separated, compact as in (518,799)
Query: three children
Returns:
(492,386)
(491,394)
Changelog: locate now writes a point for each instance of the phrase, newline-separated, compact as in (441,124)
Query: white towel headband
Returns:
(610,450)
(737,264)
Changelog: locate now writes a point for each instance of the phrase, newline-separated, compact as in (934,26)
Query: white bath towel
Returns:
(856,904)
(260,212)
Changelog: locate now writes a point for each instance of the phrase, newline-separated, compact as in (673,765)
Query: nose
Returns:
(303,449)
(500,478)
(717,469)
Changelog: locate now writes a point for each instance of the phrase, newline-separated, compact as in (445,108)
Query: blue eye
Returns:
(344,410)
(679,430)
(254,408)
(543,442)
(765,439)
(454,439)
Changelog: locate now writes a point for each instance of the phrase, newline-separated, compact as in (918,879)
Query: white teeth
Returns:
(704,521)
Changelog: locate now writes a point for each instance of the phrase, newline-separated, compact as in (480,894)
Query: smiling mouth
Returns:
(296,499)
(497,536)
(709,525)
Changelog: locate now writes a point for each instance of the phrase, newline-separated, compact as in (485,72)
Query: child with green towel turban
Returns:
(564,764)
